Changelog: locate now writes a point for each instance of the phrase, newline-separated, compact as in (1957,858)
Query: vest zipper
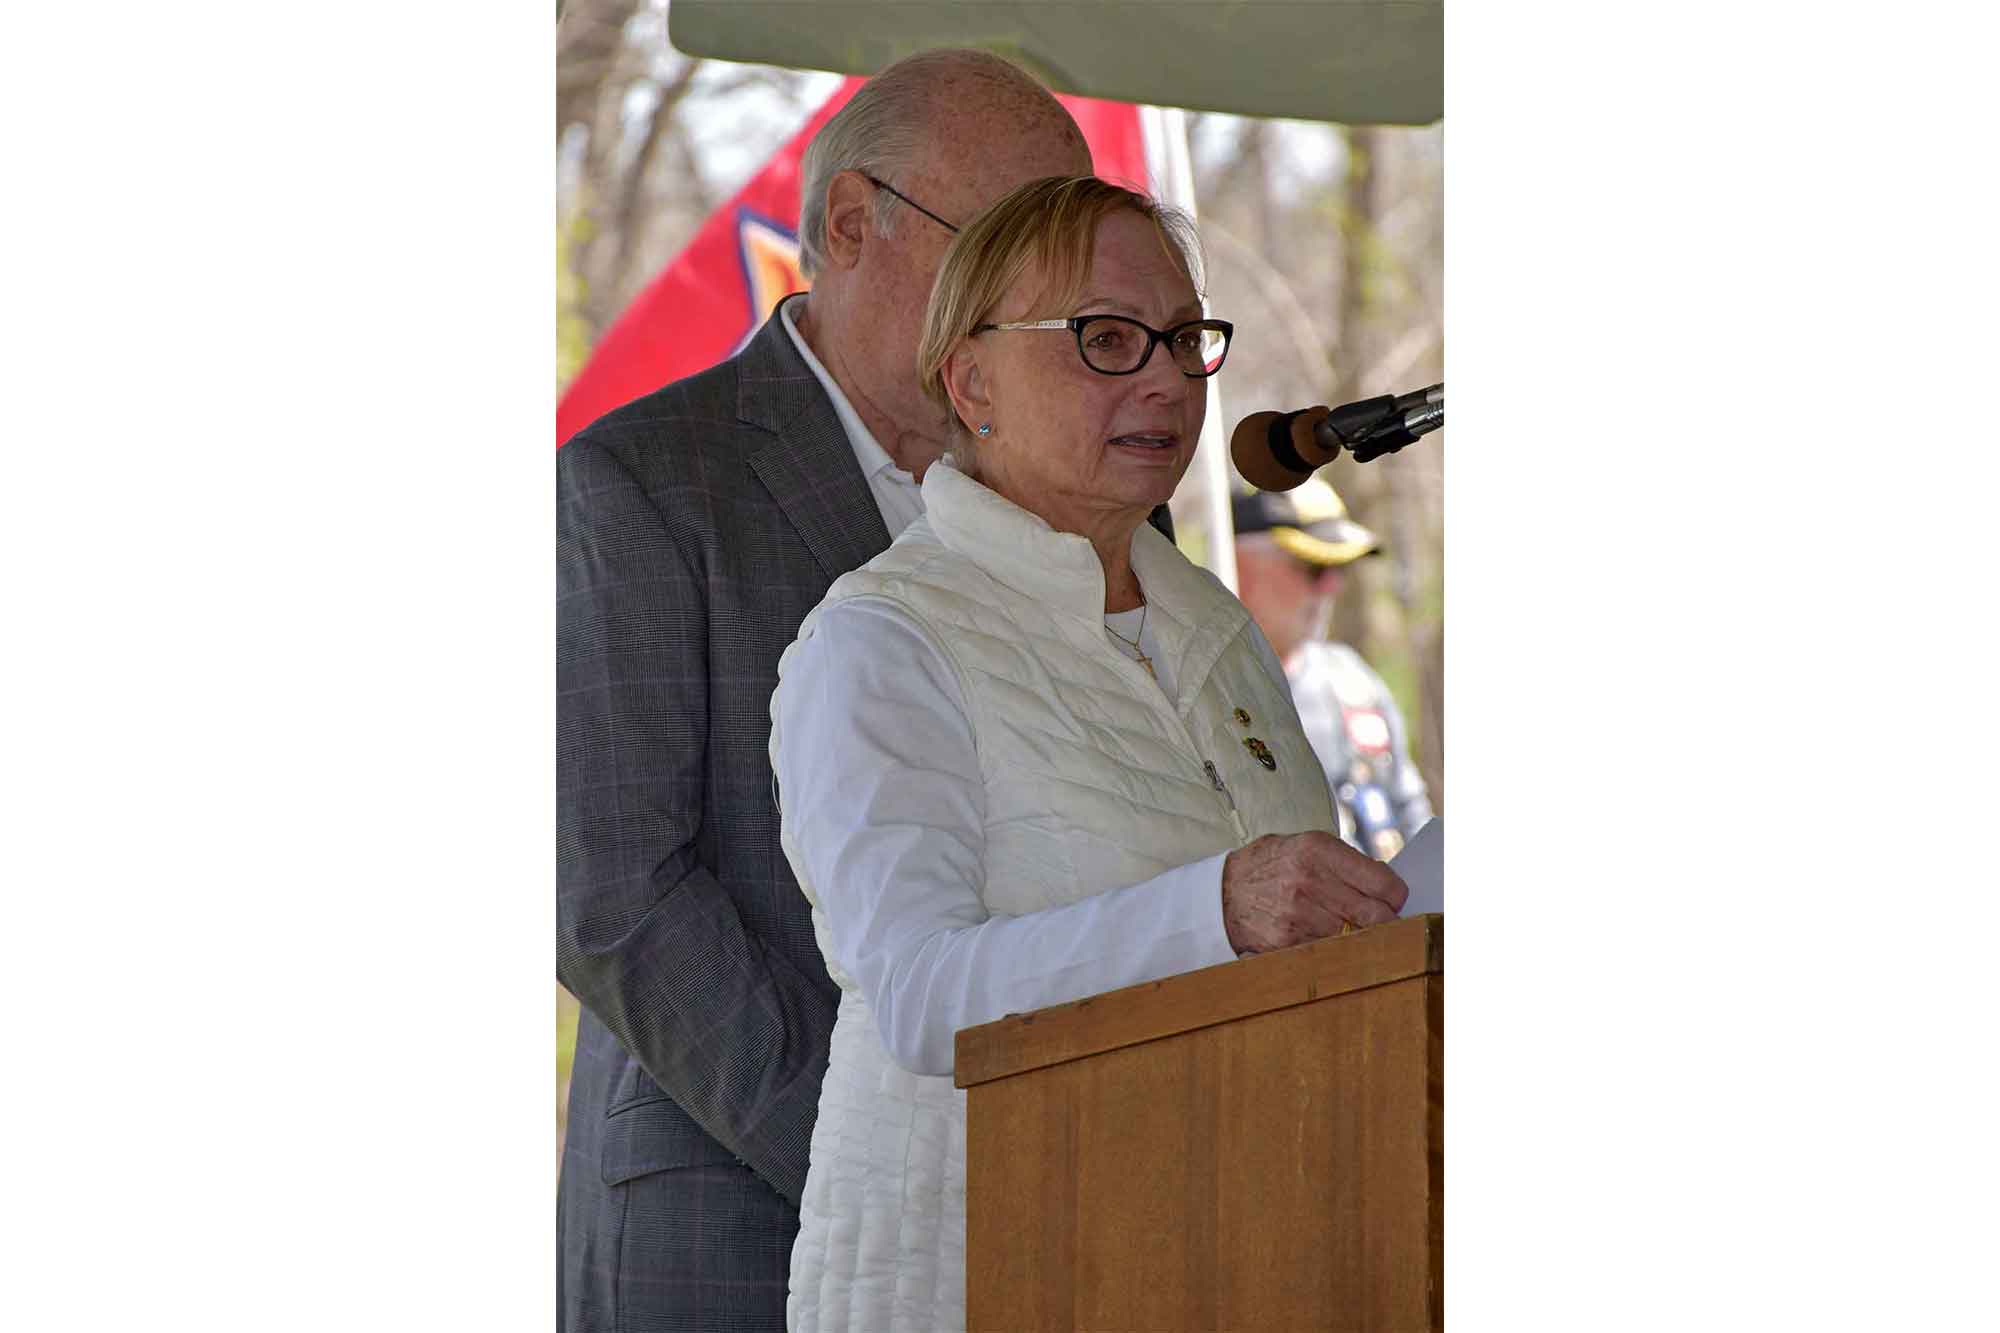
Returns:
(1215,781)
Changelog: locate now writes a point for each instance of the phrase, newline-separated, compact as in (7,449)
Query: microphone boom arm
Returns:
(1377,426)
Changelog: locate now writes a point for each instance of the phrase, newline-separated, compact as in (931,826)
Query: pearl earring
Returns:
(985,429)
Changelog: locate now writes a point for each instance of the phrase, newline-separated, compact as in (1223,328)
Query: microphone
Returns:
(1276,451)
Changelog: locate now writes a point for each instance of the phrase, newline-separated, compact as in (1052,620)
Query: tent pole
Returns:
(1214,545)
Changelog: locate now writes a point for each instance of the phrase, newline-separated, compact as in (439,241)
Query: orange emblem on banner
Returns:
(770,263)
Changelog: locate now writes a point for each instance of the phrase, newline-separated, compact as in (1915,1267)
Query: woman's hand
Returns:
(1294,888)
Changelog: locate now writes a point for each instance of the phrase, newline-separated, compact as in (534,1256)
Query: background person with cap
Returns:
(1291,548)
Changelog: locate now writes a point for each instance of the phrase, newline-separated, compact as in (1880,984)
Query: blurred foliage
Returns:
(1397,667)
(566,1012)
(572,329)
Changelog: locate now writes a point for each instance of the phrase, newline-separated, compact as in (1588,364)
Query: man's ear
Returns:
(848,204)
(965,383)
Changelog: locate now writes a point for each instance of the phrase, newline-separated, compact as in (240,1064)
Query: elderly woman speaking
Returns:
(1031,752)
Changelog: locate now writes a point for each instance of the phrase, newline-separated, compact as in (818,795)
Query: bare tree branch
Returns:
(632,191)
(1277,293)
(590,42)
(1386,372)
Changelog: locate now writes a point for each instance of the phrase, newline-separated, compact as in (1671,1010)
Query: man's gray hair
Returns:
(881,132)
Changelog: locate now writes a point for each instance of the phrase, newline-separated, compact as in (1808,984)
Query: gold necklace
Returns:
(1133,643)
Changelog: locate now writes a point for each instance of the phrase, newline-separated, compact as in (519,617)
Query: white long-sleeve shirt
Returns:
(882,790)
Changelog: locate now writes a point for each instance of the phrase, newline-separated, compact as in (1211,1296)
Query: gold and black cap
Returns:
(1309,521)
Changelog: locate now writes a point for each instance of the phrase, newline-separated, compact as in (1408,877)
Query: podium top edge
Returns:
(1394,951)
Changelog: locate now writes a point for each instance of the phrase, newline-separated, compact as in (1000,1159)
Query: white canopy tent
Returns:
(1351,61)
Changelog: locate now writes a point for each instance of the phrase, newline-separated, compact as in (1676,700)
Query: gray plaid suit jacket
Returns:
(696,527)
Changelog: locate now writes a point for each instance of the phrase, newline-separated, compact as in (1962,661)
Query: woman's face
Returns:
(1087,452)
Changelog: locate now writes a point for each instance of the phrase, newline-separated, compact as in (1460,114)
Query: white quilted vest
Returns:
(1094,779)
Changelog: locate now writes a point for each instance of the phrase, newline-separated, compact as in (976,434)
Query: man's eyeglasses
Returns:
(884,185)
(1115,345)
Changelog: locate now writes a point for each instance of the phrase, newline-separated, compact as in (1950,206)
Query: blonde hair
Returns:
(1052,225)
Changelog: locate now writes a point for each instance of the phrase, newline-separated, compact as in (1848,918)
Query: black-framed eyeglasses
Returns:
(884,185)
(1115,345)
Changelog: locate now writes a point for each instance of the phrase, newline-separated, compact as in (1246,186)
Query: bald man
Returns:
(696,527)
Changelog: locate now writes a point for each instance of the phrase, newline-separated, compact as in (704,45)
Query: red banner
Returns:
(745,259)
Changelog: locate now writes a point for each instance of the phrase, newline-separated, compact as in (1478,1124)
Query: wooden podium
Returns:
(1258,1145)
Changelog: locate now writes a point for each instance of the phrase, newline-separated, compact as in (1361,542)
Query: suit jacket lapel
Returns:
(806,462)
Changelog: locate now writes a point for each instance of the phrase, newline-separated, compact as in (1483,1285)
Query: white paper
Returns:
(1421,864)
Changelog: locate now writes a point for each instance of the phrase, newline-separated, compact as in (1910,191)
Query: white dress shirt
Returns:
(896,492)
(882,791)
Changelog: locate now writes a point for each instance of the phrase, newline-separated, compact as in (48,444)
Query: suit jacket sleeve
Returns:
(647,937)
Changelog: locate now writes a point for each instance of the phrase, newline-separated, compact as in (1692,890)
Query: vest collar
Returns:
(1059,570)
